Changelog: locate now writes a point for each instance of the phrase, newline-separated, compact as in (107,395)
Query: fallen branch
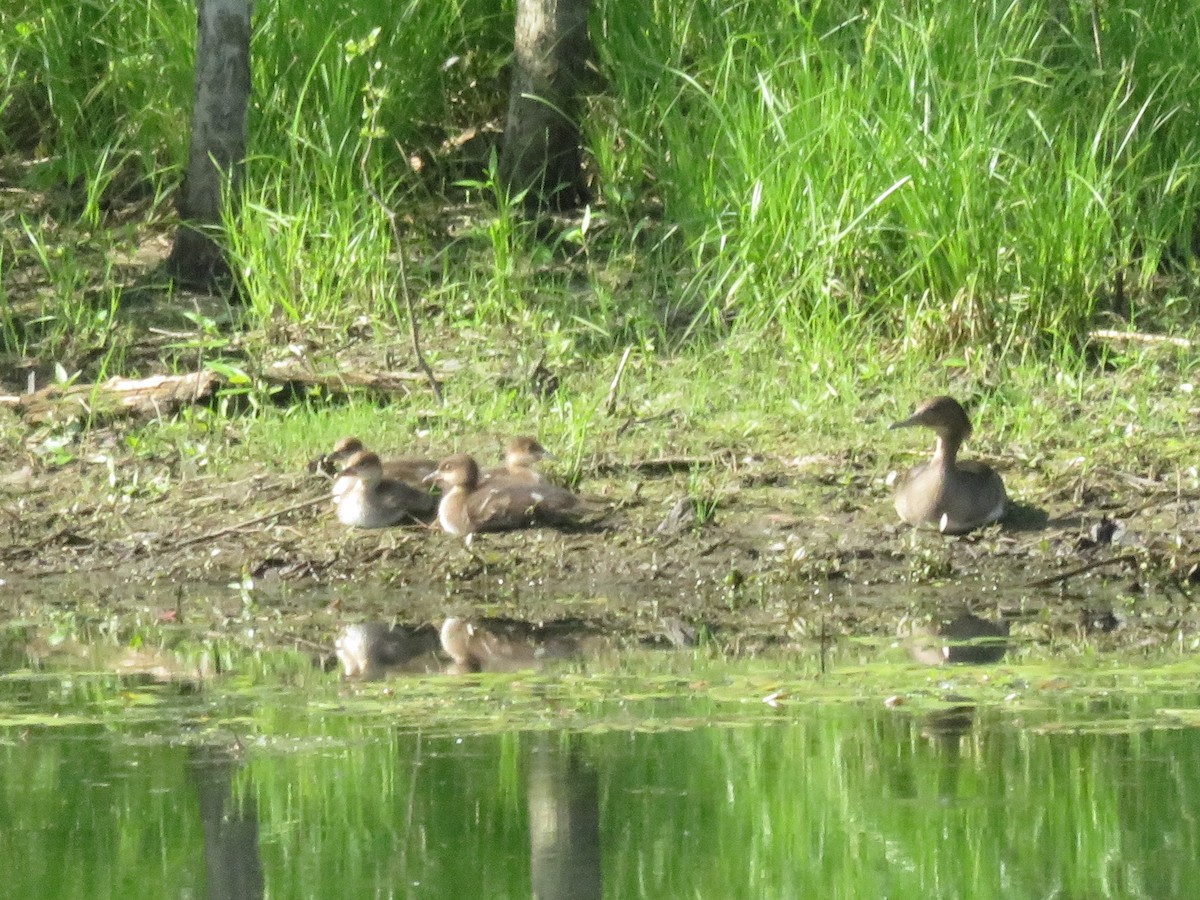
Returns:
(105,565)
(257,520)
(151,396)
(663,464)
(288,372)
(1079,570)
(1138,337)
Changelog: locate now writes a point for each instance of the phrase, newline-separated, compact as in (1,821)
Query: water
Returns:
(980,784)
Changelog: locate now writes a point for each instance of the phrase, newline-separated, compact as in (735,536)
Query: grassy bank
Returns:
(802,217)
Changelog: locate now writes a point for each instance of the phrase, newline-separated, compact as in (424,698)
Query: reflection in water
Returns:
(655,794)
(564,820)
(946,726)
(507,645)
(231,858)
(965,639)
(373,650)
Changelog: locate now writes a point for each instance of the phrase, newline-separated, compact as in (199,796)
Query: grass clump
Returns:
(954,174)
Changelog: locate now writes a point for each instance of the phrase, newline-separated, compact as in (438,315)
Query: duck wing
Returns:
(401,501)
(503,506)
(412,470)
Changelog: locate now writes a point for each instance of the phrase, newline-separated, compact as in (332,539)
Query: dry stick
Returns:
(660,463)
(610,402)
(413,329)
(1079,570)
(220,532)
(229,529)
(1138,337)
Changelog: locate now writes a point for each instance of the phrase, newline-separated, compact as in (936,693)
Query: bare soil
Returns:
(796,553)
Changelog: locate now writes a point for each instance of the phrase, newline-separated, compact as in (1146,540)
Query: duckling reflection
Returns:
(948,725)
(504,645)
(958,497)
(372,650)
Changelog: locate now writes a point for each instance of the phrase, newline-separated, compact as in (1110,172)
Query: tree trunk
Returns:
(541,153)
(219,137)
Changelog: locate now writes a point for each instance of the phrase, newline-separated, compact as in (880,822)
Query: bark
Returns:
(541,152)
(218,142)
(232,860)
(563,798)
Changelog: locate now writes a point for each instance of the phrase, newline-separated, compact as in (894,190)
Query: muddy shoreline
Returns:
(794,556)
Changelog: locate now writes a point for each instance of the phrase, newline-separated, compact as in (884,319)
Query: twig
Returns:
(414,331)
(610,402)
(1079,570)
(229,529)
(663,464)
(1138,337)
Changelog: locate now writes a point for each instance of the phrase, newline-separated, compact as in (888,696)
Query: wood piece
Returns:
(1138,337)
(153,396)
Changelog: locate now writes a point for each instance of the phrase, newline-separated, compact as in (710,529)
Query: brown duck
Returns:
(957,497)
(412,470)
(520,457)
(469,505)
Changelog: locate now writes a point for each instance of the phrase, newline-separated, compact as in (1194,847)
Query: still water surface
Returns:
(114,787)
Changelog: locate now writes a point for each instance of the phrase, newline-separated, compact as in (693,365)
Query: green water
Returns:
(586,786)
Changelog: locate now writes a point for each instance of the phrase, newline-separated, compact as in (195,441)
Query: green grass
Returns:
(804,217)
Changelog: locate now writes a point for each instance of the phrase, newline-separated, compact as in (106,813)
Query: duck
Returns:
(956,496)
(469,505)
(366,498)
(520,456)
(409,469)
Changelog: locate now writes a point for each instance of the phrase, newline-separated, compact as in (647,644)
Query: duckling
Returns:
(366,499)
(520,456)
(469,505)
(958,497)
(409,469)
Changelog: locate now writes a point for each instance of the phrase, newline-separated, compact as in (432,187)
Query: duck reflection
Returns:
(947,726)
(964,639)
(373,650)
(507,645)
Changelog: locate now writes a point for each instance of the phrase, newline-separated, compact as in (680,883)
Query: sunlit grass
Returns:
(804,221)
(849,168)
(814,177)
